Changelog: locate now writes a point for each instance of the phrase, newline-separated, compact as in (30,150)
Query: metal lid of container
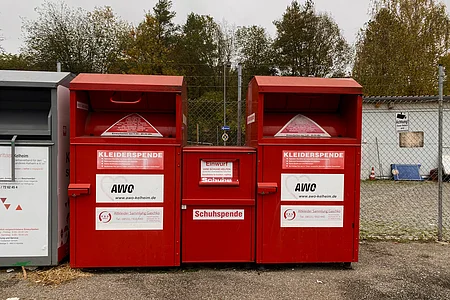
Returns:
(37,79)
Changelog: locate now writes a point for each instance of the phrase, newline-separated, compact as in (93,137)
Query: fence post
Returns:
(440,171)
(198,138)
(239,104)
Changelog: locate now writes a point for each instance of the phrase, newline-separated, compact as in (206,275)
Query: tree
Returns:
(310,43)
(152,46)
(15,62)
(255,52)
(197,53)
(445,62)
(82,41)
(398,50)
(165,28)
(226,40)
(109,35)
(226,43)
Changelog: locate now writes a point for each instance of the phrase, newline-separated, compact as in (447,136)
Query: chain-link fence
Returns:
(205,122)
(400,143)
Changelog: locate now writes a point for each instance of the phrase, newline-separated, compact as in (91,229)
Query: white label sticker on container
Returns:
(251,118)
(83,106)
(125,188)
(312,216)
(24,203)
(129,218)
(312,187)
(218,214)
(216,169)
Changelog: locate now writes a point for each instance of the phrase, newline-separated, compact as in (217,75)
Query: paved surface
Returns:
(386,270)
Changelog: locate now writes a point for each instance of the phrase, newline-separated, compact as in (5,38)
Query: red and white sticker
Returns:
(312,216)
(251,118)
(132,125)
(313,160)
(218,214)
(136,160)
(303,126)
(217,172)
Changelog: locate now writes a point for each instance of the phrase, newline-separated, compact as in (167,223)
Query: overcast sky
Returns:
(349,14)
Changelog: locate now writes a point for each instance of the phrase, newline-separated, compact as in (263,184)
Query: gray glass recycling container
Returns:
(34,167)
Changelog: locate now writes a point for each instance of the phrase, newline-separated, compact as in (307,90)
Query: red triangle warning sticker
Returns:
(19,207)
(7,206)
(3,200)
(301,126)
(132,125)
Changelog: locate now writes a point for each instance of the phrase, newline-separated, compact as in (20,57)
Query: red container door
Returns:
(131,216)
(218,204)
(311,215)
(218,233)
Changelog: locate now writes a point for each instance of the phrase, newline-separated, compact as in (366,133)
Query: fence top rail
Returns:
(425,98)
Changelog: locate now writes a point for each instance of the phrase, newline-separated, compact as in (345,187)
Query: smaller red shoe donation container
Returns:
(218,204)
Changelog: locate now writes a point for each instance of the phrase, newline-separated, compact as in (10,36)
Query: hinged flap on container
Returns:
(78,189)
(265,188)
(25,111)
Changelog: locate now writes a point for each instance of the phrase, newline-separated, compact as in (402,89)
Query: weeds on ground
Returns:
(54,275)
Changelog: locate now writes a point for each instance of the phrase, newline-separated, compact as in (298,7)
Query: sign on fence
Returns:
(401,122)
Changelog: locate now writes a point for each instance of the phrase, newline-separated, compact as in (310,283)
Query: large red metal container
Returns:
(125,178)
(308,135)
(218,204)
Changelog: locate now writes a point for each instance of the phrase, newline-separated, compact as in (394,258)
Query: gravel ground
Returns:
(403,210)
(387,270)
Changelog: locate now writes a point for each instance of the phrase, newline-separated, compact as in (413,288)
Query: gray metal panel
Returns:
(25,111)
(24,122)
(53,186)
(36,260)
(34,79)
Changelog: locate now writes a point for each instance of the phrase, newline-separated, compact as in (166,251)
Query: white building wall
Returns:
(379,123)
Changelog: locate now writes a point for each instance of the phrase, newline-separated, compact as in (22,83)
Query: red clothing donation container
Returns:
(218,204)
(308,136)
(126,137)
